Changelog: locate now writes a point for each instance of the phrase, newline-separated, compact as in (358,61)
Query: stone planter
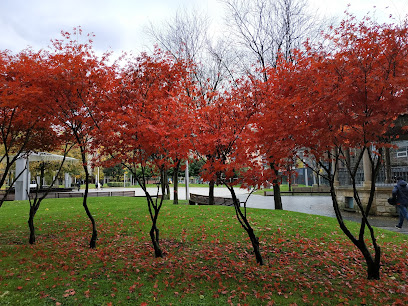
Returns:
(380,207)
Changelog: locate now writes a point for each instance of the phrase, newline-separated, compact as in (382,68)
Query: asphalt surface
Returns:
(317,205)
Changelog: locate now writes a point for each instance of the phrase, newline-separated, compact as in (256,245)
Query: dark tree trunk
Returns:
(373,265)
(255,246)
(33,211)
(154,236)
(277,195)
(164,184)
(154,209)
(241,216)
(35,203)
(373,270)
(211,193)
(276,188)
(92,243)
(175,182)
(290,181)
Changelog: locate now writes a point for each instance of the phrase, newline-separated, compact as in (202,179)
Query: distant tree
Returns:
(115,171)
(195,167)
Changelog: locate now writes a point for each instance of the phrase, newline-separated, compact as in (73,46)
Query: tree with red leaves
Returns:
(344,96)
(222,130)
(77,82)
(24,121)
(144,125)
(27,125)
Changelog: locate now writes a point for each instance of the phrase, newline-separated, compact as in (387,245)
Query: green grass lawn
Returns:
(208,258)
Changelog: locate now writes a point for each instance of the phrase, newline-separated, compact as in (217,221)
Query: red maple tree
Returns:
(77,81)
(144,125)
(221,133)
(343,97)
(24,122)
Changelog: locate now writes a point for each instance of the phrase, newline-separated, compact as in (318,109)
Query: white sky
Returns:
(118,24)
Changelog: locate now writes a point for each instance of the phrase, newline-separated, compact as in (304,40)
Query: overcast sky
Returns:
(118,24)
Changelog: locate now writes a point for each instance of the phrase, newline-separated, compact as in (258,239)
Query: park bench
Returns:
(205,200)
(125,193)
(67,195)
(99,194)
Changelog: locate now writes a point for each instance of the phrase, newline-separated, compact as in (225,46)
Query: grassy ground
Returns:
(208,259)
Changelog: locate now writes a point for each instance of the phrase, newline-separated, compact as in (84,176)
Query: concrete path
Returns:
(317,205)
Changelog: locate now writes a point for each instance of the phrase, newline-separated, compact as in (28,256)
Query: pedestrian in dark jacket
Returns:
(400,193)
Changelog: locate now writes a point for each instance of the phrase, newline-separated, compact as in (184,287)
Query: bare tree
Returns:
(263,29)
(186,36)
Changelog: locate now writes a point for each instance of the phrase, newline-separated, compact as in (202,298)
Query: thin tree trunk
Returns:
(164,183)
(35,203)
(92,243)
(167,186)
(33,211)
(154,236)
(211,193)
(290,180)
(241,216)
(373,265)
(277,195)
(255,246)
(276,189)
(175,183)
(154,210)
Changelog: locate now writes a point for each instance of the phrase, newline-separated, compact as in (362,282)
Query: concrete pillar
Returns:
(22,184)
(67,180)
(306,177)
(367,169)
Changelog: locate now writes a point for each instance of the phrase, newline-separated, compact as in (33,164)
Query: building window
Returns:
(402,152)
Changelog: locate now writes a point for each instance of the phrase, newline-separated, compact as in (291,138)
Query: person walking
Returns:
(400,193)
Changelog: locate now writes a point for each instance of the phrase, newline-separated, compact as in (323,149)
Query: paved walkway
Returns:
(317,205)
